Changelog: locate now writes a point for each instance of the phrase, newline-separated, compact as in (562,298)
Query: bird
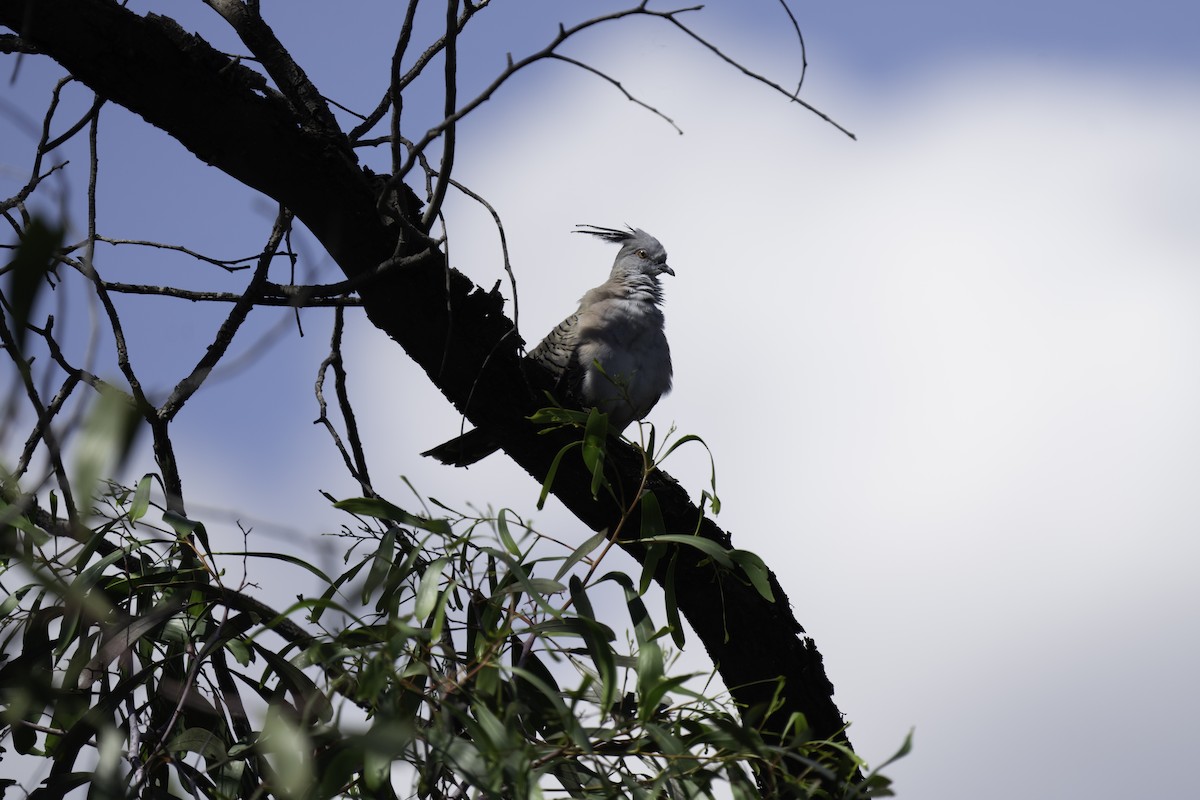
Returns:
(611,354)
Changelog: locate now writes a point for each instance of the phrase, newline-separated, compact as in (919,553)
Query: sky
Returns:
(948,371)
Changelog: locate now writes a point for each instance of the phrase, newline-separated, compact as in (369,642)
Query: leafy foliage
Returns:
(456,655)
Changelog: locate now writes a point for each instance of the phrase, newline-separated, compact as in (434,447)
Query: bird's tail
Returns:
(465,450)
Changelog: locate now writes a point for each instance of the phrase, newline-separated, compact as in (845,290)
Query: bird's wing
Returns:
(557,353)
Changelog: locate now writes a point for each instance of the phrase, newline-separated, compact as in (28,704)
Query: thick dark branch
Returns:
(273,294)
(292,81)
(10,43)
(177,83)
(181,84)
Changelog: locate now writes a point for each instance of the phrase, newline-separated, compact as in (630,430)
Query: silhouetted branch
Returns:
(273,294)
(356,464)
(229,328)
(454,330)
(620,88)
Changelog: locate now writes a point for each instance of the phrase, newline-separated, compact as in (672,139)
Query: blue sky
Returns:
(948,372)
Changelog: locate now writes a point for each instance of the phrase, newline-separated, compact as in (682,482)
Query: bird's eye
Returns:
(642,254)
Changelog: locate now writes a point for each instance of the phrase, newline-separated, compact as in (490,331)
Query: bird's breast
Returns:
(625,338)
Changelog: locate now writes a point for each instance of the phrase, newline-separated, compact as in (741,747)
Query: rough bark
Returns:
(454,330)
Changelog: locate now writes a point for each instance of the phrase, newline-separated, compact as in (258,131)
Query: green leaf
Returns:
(652,525)
(707,546)
(506,538)
(542,586)
(595,444)
(27,270)
(120,638)
(517,572)
(649,655)
(141,498)
(654,554)
(380,563)
(379,508)
(13,600)
(293,560)
(307,697)
(598,647)
(904,750)
(105,442)
(550,475)
(290,750)
(712,496)
(581,552)
(652,518)
(671,604)
(240,652)
(649,700)
(23,524)
(559,416)
(740,785)
(756,571)
(198,740)
(549,701)
(185,528)
(583,604)
(427,592)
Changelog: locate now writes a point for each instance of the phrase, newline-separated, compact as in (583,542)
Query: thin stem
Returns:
(229,328)
(356,464)
(451,99)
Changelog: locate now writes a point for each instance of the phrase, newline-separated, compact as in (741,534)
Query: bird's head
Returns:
(641,253)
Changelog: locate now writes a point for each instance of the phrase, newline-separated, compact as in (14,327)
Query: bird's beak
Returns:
(667,270)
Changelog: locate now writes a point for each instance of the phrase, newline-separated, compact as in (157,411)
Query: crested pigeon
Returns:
(611,354)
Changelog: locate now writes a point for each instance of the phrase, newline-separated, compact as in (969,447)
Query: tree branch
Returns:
(176,82)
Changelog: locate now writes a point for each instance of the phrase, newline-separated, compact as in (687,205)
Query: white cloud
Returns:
(948,373)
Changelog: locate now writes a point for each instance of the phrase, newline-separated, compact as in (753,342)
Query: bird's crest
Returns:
(608,234)
(629,238)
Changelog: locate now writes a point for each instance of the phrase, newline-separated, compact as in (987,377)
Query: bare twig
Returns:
(513,68)
(670,17)
(88,267)
(617,84)
(164,452)
(43,429)
(512,278)
(229,265)
(357,465)
(74,129)
(394,97)
(26,190)
(224,336)
(803,49)
(43,424)
(438,45)
(47,118)
(451,99)
(273,294)
(81,375)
